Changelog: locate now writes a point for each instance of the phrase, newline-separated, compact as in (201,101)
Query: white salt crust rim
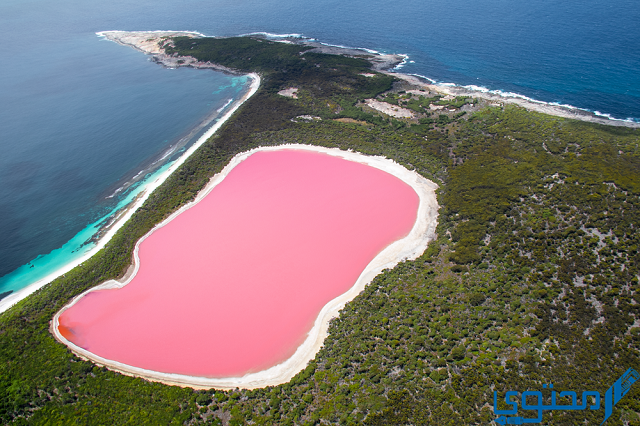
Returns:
(408,248)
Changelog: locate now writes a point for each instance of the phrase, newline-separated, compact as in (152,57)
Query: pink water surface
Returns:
(234,284)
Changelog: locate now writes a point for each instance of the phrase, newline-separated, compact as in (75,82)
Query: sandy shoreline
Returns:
(410,247)
(17,296)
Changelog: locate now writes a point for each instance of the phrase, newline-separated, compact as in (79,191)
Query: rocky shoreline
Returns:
(153,43)
(498,100)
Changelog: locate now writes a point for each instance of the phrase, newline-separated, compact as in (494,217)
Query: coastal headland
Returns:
(154,43)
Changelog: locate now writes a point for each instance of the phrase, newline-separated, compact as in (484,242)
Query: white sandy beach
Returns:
(410,247)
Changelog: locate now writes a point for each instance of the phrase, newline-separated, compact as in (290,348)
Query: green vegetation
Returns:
(533,278)
(420,103)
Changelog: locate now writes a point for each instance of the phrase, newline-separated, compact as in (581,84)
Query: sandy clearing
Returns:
(351,121)
(290,92)
(389,109)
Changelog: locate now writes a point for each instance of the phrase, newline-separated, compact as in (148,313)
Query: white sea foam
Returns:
(170,151)
(537,101)
(225,105)
(424,77)
(364,49)
(134,178)
(405,59)
(505,94)
(497,92)
(103,33)
(305,38)
(628,120)
(116,192)
(272,35)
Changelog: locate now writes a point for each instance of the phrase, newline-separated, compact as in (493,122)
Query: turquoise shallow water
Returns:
(74,249)
(80,116)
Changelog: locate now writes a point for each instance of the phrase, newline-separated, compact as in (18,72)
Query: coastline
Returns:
(408,248)
(390,64)
(148,42)
(522,101)
(380,62)
(15,297)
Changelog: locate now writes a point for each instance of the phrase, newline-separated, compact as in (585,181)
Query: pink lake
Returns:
(233,285)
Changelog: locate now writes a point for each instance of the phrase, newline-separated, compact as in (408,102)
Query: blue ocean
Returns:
(86,123)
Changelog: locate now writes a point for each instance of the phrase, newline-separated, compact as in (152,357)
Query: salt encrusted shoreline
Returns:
(408,248)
